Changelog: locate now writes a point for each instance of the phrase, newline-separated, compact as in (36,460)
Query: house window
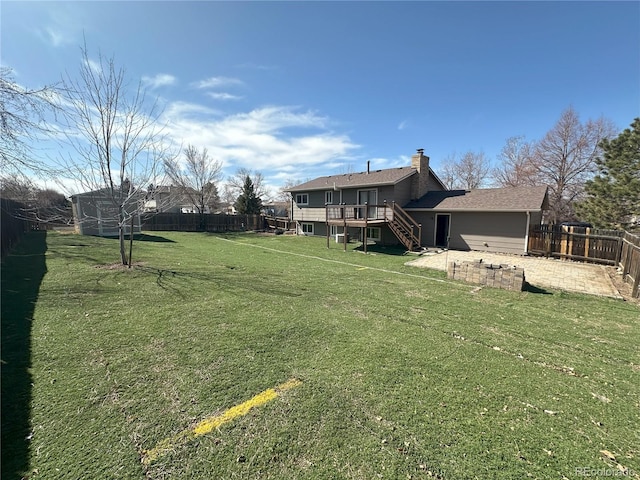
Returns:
(328,197)
(374,233)
(307,228)
(302,198)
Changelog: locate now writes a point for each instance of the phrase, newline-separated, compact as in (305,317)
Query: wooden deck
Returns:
(361,223)
(405,228)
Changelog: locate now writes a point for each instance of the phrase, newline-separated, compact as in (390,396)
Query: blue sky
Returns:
(302,89)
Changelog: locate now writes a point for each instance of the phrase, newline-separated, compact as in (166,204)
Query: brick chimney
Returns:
(420,182)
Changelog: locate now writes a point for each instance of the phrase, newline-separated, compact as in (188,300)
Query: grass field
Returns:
(394,372)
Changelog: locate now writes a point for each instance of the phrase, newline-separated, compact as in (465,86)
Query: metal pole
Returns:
(344,230)
(366,223)
(326,215)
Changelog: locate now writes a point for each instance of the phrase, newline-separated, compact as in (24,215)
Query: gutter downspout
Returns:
(526,233)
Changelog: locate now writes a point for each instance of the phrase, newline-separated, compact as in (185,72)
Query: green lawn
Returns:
(404,374)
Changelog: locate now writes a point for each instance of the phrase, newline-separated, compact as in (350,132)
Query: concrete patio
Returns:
(541,272)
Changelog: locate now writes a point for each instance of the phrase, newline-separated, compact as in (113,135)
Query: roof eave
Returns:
(494,210)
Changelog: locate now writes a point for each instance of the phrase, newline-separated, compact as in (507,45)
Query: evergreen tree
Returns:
(614,194)
(248,202)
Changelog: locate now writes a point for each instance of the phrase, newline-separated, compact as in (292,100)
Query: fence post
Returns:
(628,254)
(586,242)
(546,235)
(619,252)
(636,280)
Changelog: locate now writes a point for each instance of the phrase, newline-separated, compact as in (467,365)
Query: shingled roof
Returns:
(388,176)
(514,199)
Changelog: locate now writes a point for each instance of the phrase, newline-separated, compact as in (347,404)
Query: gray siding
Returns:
(402,193)
(484,231)
(434,185)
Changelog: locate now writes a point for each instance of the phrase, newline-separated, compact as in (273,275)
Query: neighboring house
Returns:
(411,206)
(275,209)
(95,213)
(171,199)
(226,209)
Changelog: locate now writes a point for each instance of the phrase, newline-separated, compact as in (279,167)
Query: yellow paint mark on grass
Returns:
(362,268)
(209,424)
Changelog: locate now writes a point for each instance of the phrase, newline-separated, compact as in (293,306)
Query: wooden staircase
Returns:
(405,228)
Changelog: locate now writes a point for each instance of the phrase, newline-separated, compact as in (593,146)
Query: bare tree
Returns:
(197,176)
(283,194)
(447,172)
(16,187)
(472,170)
(517,167)
(37,204)
(468,172)
(566,158)
(115,136)
(22,119)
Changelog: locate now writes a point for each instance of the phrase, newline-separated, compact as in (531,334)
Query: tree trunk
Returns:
(123,253)
(202,225)
(131,242)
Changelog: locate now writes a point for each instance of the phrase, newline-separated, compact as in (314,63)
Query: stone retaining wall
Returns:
(492,275)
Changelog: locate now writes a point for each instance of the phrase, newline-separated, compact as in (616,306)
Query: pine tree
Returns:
(614,194)
(248,202)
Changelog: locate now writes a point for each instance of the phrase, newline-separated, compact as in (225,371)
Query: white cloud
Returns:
(159,80)
(402,125)
(215,82)
(274,140)
(224,96)
(381,163)
(176,111)
(60,24)
(57,37)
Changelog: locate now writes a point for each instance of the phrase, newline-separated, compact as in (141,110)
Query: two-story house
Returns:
(411,206)
(173,199)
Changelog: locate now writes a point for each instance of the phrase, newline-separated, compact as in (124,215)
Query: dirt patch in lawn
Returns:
(119,266)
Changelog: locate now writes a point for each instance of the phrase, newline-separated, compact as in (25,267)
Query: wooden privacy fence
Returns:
(576,243)
(611,247)
(630,262)
(278,223)
(193,222)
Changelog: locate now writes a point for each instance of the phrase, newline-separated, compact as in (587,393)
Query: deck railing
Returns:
(359,212)
(408,231)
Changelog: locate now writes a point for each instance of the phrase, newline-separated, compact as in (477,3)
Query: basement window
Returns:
(374,233)
(307,228)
